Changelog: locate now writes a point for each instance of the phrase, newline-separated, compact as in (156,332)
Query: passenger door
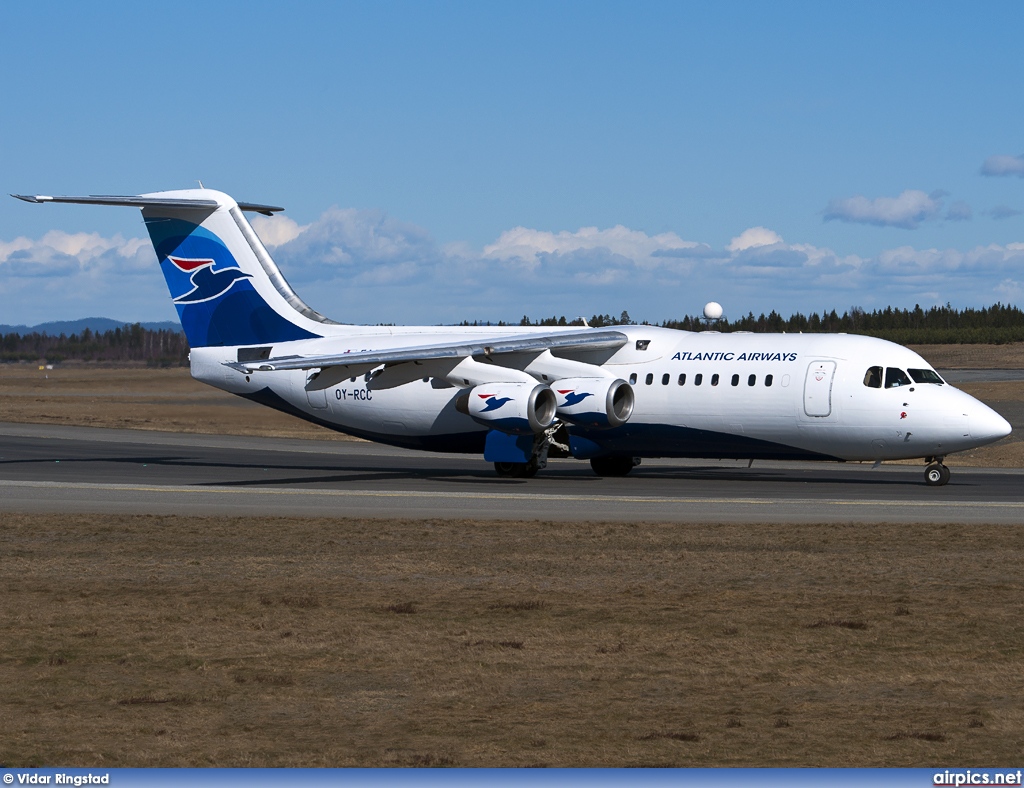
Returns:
(818,388)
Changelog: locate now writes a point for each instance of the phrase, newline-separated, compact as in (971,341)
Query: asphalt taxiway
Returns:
(57,469)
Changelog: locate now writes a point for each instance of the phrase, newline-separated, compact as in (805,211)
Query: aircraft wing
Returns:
(583,339)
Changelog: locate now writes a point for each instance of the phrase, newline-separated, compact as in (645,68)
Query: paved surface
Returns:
(955,376)
(79,469)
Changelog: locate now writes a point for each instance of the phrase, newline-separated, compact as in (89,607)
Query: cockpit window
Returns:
(894,378)
(925,376)
(873,378)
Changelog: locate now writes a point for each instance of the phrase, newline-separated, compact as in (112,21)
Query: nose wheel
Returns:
(936,474)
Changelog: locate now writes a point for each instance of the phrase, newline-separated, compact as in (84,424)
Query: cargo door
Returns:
(818,388)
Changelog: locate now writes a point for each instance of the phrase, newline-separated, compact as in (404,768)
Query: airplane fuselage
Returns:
(708,394)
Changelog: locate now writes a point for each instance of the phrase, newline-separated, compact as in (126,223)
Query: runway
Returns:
(47,468)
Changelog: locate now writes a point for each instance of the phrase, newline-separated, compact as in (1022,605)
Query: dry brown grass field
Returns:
(173,641)
(168,400)
(1010,356)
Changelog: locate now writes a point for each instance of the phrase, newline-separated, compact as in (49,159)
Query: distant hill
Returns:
(95,324)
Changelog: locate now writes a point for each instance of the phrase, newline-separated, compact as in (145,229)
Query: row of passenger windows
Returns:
(895,377)
(698,379)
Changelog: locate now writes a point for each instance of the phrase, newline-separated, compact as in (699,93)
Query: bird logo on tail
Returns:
(207,284)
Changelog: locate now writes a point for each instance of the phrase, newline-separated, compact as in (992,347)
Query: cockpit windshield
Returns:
(894,378)
(925,376)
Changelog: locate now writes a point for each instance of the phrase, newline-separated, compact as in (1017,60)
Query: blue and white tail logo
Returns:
(206,282)
(216,300)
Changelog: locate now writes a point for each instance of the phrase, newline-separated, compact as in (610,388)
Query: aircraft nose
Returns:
(987,425)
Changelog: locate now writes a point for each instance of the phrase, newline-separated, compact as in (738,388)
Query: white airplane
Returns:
(519,395)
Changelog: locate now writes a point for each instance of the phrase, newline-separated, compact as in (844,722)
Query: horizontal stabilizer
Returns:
(584,339)
(142,201)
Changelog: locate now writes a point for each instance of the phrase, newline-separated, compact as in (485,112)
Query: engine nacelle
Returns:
(599,403)
(514,408)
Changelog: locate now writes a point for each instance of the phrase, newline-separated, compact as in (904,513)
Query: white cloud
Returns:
(957,271)
(73,275)
(540,272)
(907,210)
(58,252)
(20,244)
(752,237)
(366,267)
(346,237)
(531,247)
(277,230)
(1010,290)
(1003,165)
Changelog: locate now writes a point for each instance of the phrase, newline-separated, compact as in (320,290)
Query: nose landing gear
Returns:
(936,474)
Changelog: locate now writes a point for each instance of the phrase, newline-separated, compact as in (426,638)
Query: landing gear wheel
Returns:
(516,470)
(612,466)
(936,474)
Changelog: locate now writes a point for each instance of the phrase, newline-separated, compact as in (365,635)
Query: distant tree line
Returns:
(940,325)
(131,343)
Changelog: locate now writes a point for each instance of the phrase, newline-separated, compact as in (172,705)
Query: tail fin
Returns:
(226,288)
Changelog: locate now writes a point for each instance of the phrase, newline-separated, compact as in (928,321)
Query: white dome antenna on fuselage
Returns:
(713,313)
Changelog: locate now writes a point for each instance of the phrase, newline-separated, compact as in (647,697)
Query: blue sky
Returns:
(442,161)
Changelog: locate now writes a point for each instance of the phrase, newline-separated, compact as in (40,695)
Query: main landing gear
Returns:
(936,474)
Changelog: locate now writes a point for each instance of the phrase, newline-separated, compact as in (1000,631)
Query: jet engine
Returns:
(598,403)
(514,408)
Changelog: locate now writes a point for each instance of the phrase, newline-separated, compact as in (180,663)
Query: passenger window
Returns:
(698,379)
(894,378)
(873,378)
(632,378)
(714,379)
(682,379)
(925,376)
(664,379)
(649,379)
(735,380)
(768,379)
(752,380)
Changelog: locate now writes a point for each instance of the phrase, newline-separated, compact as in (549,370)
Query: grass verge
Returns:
(179,641)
